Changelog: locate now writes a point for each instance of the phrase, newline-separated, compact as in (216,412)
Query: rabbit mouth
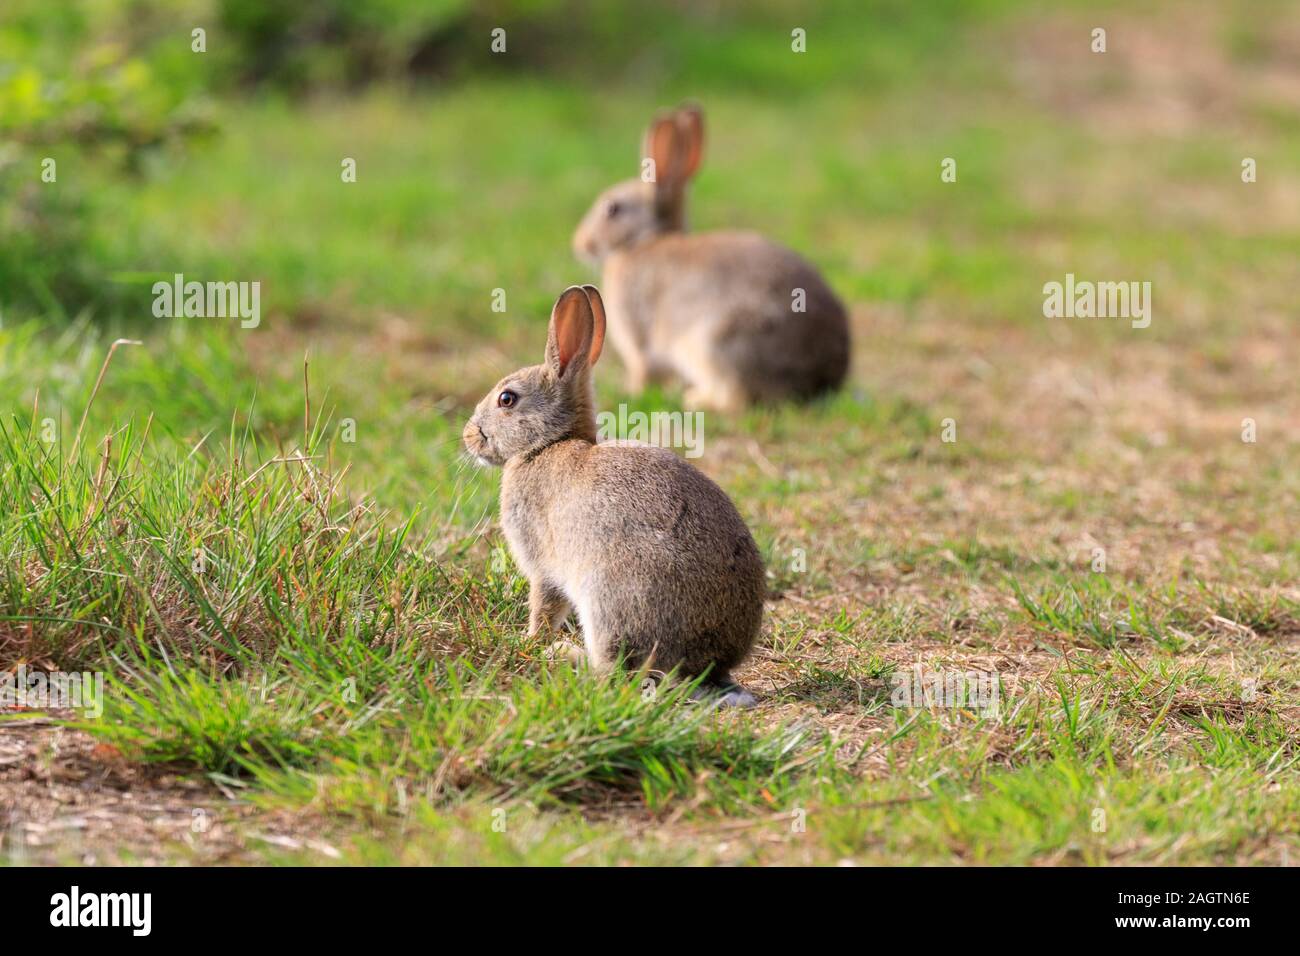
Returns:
(479,446)
(589,254)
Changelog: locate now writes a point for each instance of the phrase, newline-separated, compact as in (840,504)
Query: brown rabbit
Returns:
(720,311)
(652,555)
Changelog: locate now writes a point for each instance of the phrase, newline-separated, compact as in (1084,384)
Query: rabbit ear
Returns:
(598,323)
(675,141)
(569,340)
(661,141)
(689,120)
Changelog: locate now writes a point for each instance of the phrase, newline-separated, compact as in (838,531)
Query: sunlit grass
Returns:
(272,542)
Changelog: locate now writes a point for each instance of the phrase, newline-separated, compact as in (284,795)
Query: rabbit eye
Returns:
(507,399)
(613,209)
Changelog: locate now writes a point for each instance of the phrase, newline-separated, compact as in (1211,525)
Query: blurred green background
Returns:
(227,160)
(474,165)
(473,168)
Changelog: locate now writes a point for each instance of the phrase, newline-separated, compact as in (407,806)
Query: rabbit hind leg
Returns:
(711,382)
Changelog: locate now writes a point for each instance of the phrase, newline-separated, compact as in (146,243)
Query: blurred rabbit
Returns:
(652,555)
(721,310)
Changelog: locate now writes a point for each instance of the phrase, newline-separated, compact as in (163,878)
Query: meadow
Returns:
(271,541)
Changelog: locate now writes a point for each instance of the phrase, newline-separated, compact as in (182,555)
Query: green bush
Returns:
(308,44)
(81,83)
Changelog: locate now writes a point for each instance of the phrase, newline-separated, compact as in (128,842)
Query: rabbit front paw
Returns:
(566,651)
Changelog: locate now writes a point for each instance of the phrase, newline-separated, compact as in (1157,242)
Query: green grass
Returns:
(311,620)
(349,663)
(447,733)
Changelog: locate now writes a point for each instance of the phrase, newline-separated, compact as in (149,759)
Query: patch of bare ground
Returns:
(1136,444)
(1163,75)
(66,798)
(1073,442)
(1194,79)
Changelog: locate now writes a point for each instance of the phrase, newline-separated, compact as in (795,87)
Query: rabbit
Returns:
(651,554)
(716,310)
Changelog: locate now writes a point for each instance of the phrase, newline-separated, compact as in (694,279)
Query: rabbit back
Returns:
(731,304)
(653,556)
